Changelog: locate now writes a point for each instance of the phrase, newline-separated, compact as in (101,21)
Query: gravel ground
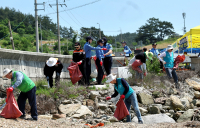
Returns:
(47,122)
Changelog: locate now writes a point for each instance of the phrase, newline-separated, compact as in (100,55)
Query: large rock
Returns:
(145,98)
(67,102)
(176,103)
(94,94)
(69,109)
(90,103)
(160,100)
(57,116)
(185,103)
(103,106)
(82,112)
(197,94)
(156,118)
(186,116)
(194,84)
(143,111)
(153,110)
(140,89)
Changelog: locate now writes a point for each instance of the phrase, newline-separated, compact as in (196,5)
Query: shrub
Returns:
(153,67)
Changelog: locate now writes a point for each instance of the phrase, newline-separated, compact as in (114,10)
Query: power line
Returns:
(75,18)
(76,7)
(72,19)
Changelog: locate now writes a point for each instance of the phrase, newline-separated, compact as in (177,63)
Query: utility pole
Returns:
(99,31)
(11,37)
(41,36)
(36,24)
(58,23)
(184,28)
(121,34)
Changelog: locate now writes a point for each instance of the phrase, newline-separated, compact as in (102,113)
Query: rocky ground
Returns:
(160,107)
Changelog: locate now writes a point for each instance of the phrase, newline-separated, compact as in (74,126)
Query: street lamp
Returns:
(99,31)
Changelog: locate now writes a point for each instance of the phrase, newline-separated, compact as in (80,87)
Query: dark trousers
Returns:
(107,63)
(88,70)
(172,73)
(21,101)
(100,72)
(82,68)
(50,79)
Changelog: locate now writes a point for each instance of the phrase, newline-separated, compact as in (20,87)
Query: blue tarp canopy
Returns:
(194,50)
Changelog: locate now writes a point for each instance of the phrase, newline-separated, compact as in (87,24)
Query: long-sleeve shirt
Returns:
(99,53)
(154,51)
(48,71)
(144,67)
(125,85)
(79,55)
(109,47)
(87,48)
(163,55)
(127,51)
(19,79)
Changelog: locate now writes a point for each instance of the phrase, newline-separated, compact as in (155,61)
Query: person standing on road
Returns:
(99,61)
(122,87)
(27,87)
(154,50)
(53,64)
(107,62)
(168,61)
(87,48)
(79,57)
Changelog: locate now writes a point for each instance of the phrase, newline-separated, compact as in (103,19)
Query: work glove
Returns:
(79,63)
(122,97)
(145,73)
(92,57)
(101,63)
(104,55)
(108,98)
(104,49)
(10,89)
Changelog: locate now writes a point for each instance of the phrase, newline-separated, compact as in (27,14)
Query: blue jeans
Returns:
(172,73)
(139,75)
(132,100)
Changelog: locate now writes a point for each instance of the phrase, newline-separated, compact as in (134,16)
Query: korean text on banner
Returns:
(183,44)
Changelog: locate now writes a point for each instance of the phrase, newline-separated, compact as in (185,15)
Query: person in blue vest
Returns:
(99,62)
(27,87)
(127,50)
(154,50)
(107,62)
(87,48)
(168,61)
(122,87)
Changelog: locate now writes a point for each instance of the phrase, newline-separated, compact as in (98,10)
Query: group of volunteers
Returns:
(103,62)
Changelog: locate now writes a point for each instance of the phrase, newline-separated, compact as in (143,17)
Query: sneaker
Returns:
(140,122)
(22,117)
(177,85)
(32,119)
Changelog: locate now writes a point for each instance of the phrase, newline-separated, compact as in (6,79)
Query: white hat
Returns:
(169,47)
(51,62)
(5,72)
(110,78)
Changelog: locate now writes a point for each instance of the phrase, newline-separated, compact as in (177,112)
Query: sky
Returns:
(113,15)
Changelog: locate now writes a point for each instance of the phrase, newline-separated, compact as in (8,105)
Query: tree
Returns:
(3,30)
(154,30)
(29,30)
(21,31)
(45,48)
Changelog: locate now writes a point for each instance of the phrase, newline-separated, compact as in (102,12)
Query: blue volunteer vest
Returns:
(169,60)
(120,88)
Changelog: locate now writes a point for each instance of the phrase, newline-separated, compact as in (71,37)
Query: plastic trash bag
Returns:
(136,64)
(94,74)
(179,59)
(11,110)
(121,110)
(74,72)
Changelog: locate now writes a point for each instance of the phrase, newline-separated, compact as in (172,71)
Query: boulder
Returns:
(153,110)
(82,112)
(69,109)
(66,102)
(143,111)
(94,94)
(176,103)
(197,94)
(145,98)
(156,118)
(103,93)
(160,100)
(194,84)
(168,102)
(185,103)
(103,106)
(57,116)
(140,89)
(90,102)
(171,91)
(197,103)
(156,94)
(186,116)
(112,119)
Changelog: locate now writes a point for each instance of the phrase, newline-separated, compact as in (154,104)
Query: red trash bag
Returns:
(11,110)
(179,59)
(74,72)
(121,110)
(136,64)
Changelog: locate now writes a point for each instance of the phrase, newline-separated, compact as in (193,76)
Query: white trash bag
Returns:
(94,74)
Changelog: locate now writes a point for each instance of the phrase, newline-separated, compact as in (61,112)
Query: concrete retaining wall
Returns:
(32,63)
(195,62)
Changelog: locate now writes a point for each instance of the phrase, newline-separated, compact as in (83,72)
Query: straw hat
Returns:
(51,62)
(5,72)
(110,78)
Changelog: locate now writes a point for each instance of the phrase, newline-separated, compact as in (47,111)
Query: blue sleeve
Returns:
(110,47)
(19,78)
(126,86)
(93,48)
(129,50)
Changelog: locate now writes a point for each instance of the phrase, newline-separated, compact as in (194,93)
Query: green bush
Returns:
(153,67)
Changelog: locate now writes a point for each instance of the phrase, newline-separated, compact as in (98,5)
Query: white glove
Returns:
(164,62)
